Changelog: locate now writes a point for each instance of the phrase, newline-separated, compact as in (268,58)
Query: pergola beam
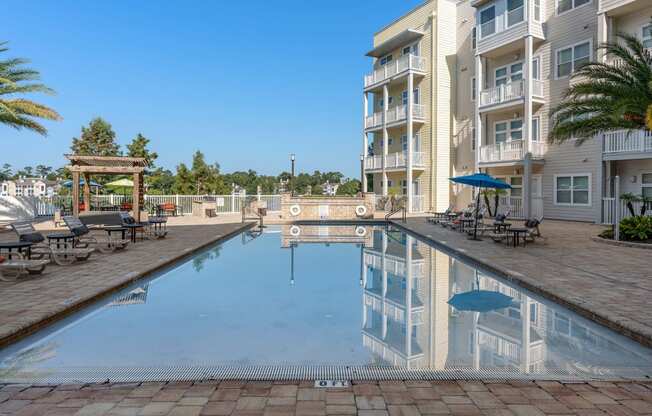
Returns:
(106,169)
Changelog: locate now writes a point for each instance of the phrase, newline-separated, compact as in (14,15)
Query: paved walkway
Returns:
(609,284)
(368,399)
(29,303)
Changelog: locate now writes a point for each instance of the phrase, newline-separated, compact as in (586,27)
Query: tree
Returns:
(15,111)
(26,172)
(5,172)
(607,96)
(43,171)
(350,187)
(138,148)
(98,139)
(160,182)
(183,183)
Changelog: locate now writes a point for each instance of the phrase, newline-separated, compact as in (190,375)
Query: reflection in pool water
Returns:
(327,295)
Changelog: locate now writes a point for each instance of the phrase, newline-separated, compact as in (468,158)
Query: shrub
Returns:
(637,228)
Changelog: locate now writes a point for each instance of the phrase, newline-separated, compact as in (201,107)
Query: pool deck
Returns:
(608,284)
(301,398)
(31,303)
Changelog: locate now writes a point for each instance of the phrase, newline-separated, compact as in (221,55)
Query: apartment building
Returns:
(27,187)
(511,65)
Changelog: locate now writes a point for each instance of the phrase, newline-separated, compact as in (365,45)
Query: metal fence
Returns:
(46,206)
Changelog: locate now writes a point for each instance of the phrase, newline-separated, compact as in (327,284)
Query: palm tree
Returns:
(16,80)
(607,96)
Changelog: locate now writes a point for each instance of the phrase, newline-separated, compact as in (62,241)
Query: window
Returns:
(536,71)
(474,37)
(646,185)
(411,49)
(507,131)
(381,102)
(515,12)
(386,59)
(415,94)
(572,58)
(509,73)
(473,90)
(390,183)
(535,129)
(473,138)
(573,190)
(537,10)
(647,36)
(566,5)
(517,187)
(488,21)
(404,143)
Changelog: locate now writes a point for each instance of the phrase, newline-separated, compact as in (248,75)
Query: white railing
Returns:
(623,141)
(395,114)
(507,151)
(394,160)
(418,202)
(502,93)
(374,120)
(46,206)
(609,206)
(393,266)
(617,62)
(402,64)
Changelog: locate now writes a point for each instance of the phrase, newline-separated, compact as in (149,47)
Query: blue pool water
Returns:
(325,295)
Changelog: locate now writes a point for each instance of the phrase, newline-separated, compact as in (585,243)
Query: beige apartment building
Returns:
(511,64)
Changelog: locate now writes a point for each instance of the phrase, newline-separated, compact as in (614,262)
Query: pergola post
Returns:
(87,192)
(75,194)
(136,192)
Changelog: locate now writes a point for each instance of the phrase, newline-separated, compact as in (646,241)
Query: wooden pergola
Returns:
(106,165)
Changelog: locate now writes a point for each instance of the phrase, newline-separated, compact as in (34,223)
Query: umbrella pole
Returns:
(475,224)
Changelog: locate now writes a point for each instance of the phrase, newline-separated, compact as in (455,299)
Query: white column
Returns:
(365,141)
(603,34)
(527,130)
(410,145)
(408,300)
(479,86)
(385,137)
(384,287)
(525,335)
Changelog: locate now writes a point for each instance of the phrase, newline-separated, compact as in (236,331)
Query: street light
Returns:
(292,157)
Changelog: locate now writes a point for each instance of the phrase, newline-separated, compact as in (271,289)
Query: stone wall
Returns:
(293,234)
(312,208)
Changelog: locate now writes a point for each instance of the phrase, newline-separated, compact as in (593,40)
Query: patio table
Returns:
(158,225)
(516,233)
(59,239)
(133,228)
(19,246)
(465,222)
(501,227)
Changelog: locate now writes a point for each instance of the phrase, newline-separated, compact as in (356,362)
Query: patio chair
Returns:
(10,270)
(85,239)
(534,231)
(483,227)
(40,248)
(437,217)
(142,227)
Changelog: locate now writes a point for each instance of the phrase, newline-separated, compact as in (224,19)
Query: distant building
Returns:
(28,187)
(330,189)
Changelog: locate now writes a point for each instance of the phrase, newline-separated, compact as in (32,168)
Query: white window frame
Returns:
(572,48)
(384,61)
(414,49)
(645,185)
(536,119)
(648,38)
(508,179)
(536,59)
(487,7)
(572,176)
(534,10)
(508,72)
(509,129)
(416,90)
(507,25)
(573,7)
(474,38)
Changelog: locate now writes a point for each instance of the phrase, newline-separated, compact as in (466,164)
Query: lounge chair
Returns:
(534,231)
(85,239)
(437,217)
(142,227)
(41,249)
(10,270)
(491,227)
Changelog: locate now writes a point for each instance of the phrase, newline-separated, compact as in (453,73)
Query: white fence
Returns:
(45,206)
(609,206)
(624,141)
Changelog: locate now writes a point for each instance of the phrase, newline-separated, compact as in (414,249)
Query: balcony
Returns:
(505,94)
(395,69)
(396,160)
(396,267)
(512,151)
(506,29)
(395,116)
(627,144)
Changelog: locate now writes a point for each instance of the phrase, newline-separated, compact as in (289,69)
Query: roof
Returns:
(395,42)
(122,161)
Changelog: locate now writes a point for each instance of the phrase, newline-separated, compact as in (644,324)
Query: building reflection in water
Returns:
(137,296)
(407,321)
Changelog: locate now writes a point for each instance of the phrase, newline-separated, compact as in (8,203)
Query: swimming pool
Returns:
(301,301)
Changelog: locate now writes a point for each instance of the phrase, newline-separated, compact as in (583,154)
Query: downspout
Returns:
(433,112)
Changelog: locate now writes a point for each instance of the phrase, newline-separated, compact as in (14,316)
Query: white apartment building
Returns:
(511,65)
(27,187)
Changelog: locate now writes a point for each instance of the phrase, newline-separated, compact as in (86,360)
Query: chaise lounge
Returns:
(62,254)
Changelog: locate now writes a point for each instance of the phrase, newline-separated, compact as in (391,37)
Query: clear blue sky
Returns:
(246,82)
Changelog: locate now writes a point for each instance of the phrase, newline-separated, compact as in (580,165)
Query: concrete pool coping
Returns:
(80,303)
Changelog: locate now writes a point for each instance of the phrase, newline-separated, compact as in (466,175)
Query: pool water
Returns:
(308,295)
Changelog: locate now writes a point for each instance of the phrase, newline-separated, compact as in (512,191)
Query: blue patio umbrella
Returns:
(480,301)
(480,180)
(68,183)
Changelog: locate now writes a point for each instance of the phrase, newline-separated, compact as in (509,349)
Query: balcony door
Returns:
(508,74)
(508,131)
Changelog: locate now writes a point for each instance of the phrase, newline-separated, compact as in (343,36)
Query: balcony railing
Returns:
(509,151)
(393,266)
(395,114)
(394,160)
(402,64)
(627,141)
(507,92)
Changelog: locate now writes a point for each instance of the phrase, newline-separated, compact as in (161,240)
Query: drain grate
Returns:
(291,373)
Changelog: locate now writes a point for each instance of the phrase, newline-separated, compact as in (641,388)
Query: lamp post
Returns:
(292,157)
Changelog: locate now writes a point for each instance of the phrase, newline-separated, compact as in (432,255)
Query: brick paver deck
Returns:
(611,285)
(28,303)
(301,398)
